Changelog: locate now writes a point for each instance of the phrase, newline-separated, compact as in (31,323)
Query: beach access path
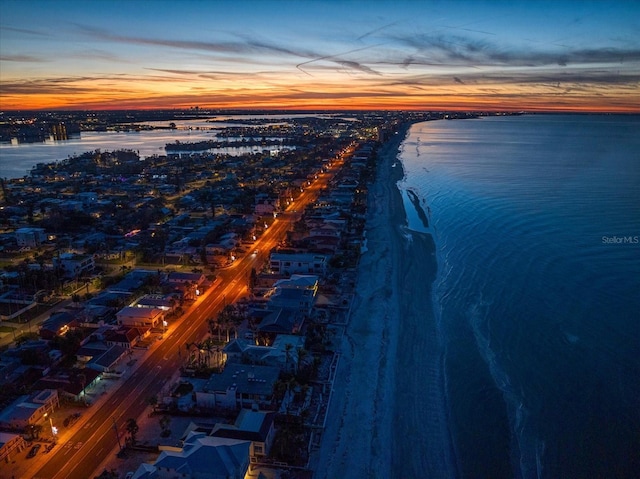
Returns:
(388,413)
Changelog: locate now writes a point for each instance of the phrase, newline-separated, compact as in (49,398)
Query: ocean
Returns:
(536,222)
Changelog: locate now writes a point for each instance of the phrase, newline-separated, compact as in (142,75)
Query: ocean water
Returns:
(536,221)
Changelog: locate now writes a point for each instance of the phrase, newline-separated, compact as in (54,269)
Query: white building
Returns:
(30,237)
(140,317)
(298,263)
(74,264)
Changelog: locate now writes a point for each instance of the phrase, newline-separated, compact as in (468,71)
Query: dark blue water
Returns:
(536,221)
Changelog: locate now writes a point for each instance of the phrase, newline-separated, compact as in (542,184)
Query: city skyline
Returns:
(462,55)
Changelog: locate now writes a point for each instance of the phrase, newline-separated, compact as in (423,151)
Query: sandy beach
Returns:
(389,381)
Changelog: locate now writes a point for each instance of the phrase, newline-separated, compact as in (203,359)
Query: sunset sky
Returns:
(434,55)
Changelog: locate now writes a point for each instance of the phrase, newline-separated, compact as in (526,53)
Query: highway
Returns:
(96,438)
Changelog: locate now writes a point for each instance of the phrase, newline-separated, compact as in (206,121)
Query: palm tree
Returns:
(302,355)
(164,425)
(224,319)
(213,327)
(287,355)
(132,429)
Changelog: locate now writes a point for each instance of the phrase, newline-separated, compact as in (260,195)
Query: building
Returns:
(58,324)
(239,386)
(74,265)
(282,354)
(201,456)
(281,321)
(29,410)
(297,293)
(254,426)
(140,317)
(30,237)
(100,356)
(10,445)
(156,301)
(298,263)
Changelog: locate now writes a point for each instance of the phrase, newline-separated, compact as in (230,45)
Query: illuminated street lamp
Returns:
(54,430)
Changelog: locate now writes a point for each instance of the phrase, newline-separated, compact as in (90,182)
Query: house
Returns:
(281,354)
(186,278)
(71,383)
(303,263)
(158,301)
(10,445)
(28,410)
(292,299)
(140,317)
(74,265)
(239,386)
(254,426)
(306,282)
(281,321)
(58,324)
(201,456)
(100,356)
(265,205)
(297,292)
(30,237)
(125,337)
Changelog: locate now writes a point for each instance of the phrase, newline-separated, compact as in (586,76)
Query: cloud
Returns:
(22,58)
(459,50)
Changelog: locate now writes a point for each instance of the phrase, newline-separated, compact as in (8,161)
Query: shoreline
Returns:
(383,380)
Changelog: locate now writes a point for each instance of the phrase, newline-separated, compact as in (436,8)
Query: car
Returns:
(33,451)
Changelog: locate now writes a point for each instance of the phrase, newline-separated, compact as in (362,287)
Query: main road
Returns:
(95,438)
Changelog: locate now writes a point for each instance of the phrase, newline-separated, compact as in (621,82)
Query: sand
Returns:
(389,383)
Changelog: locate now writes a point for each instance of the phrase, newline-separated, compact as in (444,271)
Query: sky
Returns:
(330,54)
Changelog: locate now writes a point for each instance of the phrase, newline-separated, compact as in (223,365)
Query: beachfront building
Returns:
(298,263)
(297,293)
(282,354)
(255,426)
(201,456)
(239,386)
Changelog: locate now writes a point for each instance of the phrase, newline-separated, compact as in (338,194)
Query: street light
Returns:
(54,430)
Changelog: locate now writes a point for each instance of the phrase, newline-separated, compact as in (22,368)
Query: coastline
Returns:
(384,381)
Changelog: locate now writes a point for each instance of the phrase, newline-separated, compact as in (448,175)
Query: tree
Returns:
(287,355)
(253,278)
(153,401)
(112,474)
(164,425)
(213,327)
(302,355)
(132,428)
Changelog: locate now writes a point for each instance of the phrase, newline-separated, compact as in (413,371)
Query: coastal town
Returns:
(181,312)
